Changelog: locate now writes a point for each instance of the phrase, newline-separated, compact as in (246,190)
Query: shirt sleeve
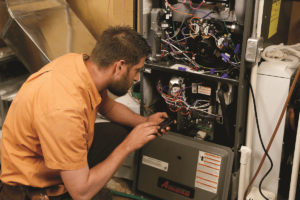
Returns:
(62,134)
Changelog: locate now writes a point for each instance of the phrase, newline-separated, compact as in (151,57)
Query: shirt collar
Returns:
(87,79)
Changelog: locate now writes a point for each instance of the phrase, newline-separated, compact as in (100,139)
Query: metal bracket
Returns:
(147,70)
(254,49)
(227,95)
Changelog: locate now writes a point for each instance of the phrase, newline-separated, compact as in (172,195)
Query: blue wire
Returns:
(207,15)
(186,42)
(165,89)
(233,64)
(194,102)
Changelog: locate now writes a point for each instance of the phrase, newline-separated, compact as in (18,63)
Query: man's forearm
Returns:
(123,115)
(85,183)
(101,173)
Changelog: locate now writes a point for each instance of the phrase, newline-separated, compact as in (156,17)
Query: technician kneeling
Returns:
(47,136)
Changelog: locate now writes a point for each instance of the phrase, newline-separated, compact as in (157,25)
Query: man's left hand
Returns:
(158,118)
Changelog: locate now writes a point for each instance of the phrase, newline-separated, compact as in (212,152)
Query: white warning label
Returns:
(204,90)
(155,163)
(194,88)
(208,169)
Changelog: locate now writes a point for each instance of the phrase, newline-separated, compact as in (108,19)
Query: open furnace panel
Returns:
(196,75)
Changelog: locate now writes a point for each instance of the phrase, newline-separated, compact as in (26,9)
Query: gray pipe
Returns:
(240,8)
(255,19)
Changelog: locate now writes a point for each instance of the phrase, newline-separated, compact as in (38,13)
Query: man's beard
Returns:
(120,87)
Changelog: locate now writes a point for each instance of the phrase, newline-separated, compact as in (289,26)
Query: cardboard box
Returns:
(294,30)
(93,13)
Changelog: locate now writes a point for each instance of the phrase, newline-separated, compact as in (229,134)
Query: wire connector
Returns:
(237,49)
(225,57)
(225,75)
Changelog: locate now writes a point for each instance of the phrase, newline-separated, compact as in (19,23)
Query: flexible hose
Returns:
(224,113)
(274,133)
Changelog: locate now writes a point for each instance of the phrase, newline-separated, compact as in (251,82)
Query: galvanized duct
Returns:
(38,31)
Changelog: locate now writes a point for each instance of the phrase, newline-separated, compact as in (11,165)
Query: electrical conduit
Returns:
(250,124)
(250,117)
(245,154)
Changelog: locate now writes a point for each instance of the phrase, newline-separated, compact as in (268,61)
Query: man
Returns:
(46,146)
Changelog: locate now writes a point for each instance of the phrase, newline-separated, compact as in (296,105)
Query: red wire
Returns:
(185,113)
(176,10)
(177,7)
(191,26)
(172,109)
(192,61)
(192,67)
(174,99)
(197,7)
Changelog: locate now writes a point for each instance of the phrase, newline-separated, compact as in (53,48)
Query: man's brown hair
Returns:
(120,43)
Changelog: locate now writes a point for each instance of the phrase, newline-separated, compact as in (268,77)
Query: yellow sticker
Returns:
(274,17)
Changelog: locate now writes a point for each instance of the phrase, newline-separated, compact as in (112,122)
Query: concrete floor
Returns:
(120,185)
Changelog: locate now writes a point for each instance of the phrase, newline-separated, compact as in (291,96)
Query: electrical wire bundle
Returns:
(178,48)
(195,9)
(176,51)
(192,63)
(177,103)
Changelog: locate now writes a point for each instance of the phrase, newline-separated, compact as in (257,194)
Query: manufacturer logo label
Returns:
(176,187)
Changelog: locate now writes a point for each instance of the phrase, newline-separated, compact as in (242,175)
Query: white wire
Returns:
(194,107)
(181,24)
(213,36)
(192,34)
(188,58)
(208,113)
(184,38)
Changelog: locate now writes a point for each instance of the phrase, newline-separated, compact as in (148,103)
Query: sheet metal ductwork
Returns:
(39,31)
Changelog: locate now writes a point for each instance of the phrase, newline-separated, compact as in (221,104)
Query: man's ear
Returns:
(119,66)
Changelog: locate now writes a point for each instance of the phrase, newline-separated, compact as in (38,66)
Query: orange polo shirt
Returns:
(50,125)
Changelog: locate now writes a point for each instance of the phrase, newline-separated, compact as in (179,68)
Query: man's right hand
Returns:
(140,135)
(85,183)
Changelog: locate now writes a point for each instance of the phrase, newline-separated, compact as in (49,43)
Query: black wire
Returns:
(206,116)
(262,144)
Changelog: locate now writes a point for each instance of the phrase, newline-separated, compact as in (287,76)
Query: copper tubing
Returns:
(274,133)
